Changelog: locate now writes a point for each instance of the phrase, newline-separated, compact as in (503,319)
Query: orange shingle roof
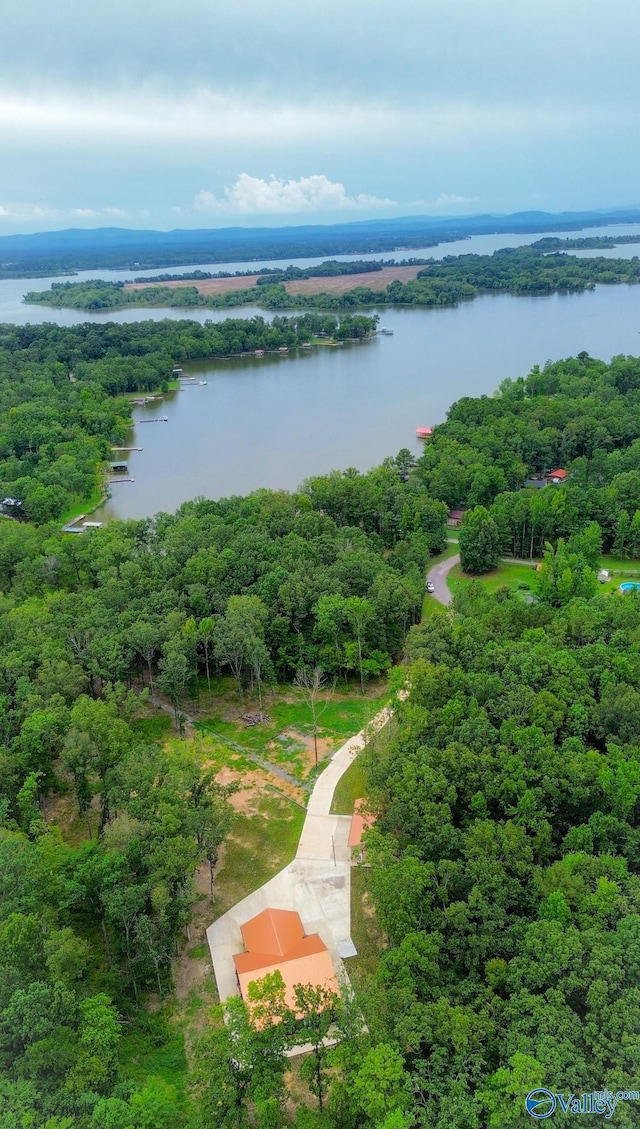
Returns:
(275,939)
(273,931)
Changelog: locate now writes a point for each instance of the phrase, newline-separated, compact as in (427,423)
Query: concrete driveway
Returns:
(317,883)
(438,577)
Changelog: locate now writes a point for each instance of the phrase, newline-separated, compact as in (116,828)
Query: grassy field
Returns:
(519,577)
(286,740)
(351,787)
(263,841)
(365,931)
(83,506)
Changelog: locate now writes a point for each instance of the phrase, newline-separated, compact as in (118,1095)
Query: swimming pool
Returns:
(629,585)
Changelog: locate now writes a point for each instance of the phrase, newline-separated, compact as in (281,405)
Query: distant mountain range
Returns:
(58,252)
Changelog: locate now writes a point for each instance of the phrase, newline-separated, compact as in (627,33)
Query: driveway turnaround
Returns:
(317,883)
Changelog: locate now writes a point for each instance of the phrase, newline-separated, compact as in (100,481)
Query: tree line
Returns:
(505,858)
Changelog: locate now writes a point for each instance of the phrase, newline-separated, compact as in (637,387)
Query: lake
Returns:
(276,420)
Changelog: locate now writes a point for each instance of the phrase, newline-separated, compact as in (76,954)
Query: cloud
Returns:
(251,195)
(27,211)
(21,211)
(446,200)
(202,116)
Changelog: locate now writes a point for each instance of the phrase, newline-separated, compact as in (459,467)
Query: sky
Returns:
(217,113)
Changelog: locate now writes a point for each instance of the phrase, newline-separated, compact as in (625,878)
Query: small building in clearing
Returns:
(275,939)
(454,518)
(557,476)
(360,822)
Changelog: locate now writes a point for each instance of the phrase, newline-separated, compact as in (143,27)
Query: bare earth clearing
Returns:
(205,285)
(339,284)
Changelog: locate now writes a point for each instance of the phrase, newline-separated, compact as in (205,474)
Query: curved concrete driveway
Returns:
(438,577)
(317,883)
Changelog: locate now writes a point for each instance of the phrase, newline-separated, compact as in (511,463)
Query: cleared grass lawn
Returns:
(83,506)
(262,843)
(506,575)
(620,565)
(365,931)
(153,729)
(351,787)
(284,740)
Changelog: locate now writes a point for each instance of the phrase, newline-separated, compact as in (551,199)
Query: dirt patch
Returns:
(62,811)
(368,909)
(254,784)
(339,284)
(203,286)
(326,746)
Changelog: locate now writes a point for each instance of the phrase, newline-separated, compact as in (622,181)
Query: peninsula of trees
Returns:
(445,282)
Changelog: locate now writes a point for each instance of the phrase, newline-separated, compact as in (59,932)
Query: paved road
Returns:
(438,577)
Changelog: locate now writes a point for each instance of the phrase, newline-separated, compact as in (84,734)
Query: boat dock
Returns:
(80,524)
(127,449)
(158,419)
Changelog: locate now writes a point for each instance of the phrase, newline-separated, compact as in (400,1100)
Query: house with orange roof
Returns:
(275,940)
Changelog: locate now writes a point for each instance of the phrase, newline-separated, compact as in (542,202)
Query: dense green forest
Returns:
(505,861)
(503,865)
(62,392)
(580,414)
(444,282)
(583,242)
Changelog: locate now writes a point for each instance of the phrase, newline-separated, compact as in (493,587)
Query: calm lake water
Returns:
(275,421)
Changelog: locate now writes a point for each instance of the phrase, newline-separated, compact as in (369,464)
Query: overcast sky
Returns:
(209,113)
